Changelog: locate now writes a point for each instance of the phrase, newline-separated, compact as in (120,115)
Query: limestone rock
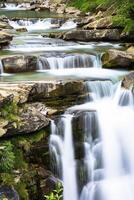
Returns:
(85,21)
(72,11)
(93,35)
(102,23)
(5,38)
(5,25)
(19,63)
(118,59)
(31,118)
(128,81)
(61,9)
(42,7)
(21,30)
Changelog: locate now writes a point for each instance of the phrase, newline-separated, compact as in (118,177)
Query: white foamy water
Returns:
(64,147)
(67,61)
(41,24)
(68,25)
(33,26)
(12,6)
(109,158)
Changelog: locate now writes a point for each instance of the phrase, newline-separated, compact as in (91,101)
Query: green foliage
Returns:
(21,189)
(10,112)
(7,179)
(19,159)
(56,194)
(124,8)
(7,157)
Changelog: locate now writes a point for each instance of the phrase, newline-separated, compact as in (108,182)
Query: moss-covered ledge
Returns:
(28,106)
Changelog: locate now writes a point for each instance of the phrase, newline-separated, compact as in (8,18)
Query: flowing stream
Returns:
(91,145)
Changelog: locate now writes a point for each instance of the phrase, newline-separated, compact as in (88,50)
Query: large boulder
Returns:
(19,63)
(32,118)
(5,38)
(118,59)
(93,35)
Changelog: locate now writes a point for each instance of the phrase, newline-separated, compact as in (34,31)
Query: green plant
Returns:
(55,194)
(7,157)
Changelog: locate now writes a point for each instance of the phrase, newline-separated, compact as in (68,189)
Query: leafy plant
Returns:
(56,194)
(7,157)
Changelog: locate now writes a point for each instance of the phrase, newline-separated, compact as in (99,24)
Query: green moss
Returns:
(21,188)
(10,112)
(124,8)
(7,157)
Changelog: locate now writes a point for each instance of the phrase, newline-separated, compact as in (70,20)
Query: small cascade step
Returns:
(64,61)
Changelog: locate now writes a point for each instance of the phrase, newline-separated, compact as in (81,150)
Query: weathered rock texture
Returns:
(19,63)
(118,59)
(26,108)
(5,38)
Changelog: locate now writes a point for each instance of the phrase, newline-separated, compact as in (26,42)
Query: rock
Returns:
(33,7)
(43,7)
(5,25)
(85,21)
(31,104)
(19,63)
(32,118)
(21,30)
(5,38)
(7,192)
(93,35)
(102,23)
(53,7)
(128,36)
(118,59)
(128,81)
(61,9)
(51,91)
(130,49)
(72,11)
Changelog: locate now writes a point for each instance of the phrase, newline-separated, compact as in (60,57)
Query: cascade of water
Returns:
(1,67)
(108,154)
(33,25)
(116,134)
(63,145)
(69,61)
(12,6)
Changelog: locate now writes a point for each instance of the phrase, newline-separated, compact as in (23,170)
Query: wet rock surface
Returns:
(118,59)
(5,38)
(16,64)
(128,81)
(93,35)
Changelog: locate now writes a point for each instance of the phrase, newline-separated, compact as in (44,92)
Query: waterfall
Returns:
(63,145)
(1,67)
(104,127)
(13,6)
(68,61)
(32,25)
